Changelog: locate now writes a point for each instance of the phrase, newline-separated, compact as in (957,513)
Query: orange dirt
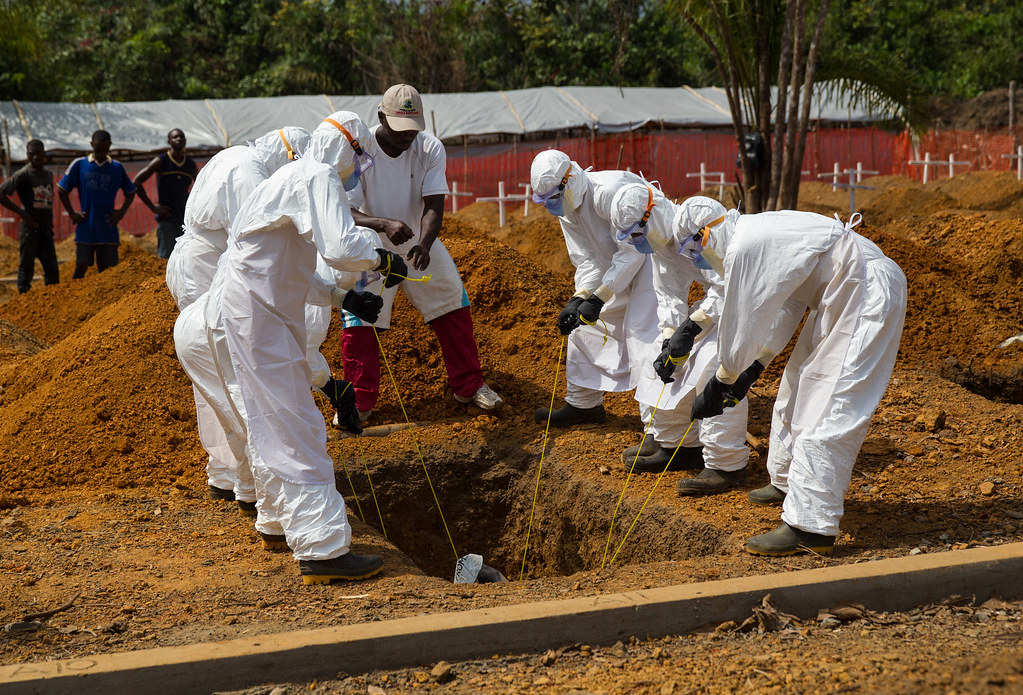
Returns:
(102,487)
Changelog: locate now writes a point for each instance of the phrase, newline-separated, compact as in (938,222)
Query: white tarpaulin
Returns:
(215,123)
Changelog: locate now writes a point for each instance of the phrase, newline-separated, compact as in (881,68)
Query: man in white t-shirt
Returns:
(401,197)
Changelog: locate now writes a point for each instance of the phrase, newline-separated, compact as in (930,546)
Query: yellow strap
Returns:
(352,141)
(287,145)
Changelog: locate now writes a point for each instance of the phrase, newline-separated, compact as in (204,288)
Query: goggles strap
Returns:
(351,140)
(287,145)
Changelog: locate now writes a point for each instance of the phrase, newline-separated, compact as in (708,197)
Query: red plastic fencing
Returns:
(672,158)
(979,150)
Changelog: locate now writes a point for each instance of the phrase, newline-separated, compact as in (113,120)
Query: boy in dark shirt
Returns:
(97,178)
(175,174)
(34,186)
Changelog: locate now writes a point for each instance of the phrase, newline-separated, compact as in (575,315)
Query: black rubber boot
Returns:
(349,566)
(688,458)
(768,496)
(221,494)
(273,542)
(711,482)
(568,415)
(246,508)
(786,540)
(649,448)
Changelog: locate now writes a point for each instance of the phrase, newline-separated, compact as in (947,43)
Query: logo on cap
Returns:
(407,106)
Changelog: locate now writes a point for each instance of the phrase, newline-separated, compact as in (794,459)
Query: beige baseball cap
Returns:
(403,107)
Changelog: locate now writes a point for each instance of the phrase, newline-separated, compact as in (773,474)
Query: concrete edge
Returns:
(884,585)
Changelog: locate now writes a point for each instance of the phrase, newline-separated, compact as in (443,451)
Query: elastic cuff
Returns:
(582,293)
(765,356)
(666,333)
(604,293)
(725,376)
(337,296)
(700,318)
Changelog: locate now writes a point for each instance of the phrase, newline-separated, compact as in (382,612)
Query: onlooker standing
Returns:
(175,172)
(401,197)
(34,185)
(97,178)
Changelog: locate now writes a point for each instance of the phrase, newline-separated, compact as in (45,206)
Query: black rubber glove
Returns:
(677,347)
(715,398)
(662,366)
(568,319)
(590,308)
(749,375)
(392,267)
(342,396)
(364,305)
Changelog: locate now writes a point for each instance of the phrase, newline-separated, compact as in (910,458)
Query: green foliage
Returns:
(943,47)
(94,50)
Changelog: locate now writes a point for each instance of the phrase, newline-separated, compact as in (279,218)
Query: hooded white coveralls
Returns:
(593,366)
(723,437)
(776,265)
(268,271)
(219,190)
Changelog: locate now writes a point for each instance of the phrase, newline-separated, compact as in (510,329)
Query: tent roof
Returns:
(215,123)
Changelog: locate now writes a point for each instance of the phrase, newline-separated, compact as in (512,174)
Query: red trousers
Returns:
(457,346)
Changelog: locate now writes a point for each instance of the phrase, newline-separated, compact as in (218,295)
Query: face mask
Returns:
(555,205)
(351,181)
(641,244)
(554,200)
(636,233)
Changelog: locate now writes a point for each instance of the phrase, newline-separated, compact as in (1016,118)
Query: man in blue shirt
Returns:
(97,178)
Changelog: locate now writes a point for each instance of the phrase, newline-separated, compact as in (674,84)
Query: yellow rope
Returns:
(647,500)
(362,517)
(628,477)
(543,449)
(345,467)
(416,442)
(365,467)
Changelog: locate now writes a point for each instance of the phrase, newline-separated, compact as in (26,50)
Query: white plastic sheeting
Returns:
(216,123)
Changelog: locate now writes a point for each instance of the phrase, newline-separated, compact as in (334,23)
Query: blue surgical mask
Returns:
(352,181)
(641,244)
(555,205)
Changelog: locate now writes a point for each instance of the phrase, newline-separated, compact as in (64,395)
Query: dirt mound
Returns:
(964,274)
(107,405)
(981,190)
(899,203)
(17,342)
(52,312)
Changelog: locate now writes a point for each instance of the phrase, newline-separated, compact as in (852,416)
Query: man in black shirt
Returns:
(175,173)
(34,186)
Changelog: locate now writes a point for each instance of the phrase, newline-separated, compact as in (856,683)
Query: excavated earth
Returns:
(103,495)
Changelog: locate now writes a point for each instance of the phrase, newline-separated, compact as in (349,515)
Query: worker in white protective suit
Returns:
(607,320)
(218,192)
(775,266)
(266,276)
(675,367)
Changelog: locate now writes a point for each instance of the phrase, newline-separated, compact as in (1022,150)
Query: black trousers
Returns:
(32,244)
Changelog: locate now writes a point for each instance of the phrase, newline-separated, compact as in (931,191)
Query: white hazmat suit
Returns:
(219,190)
(268,272)
(604,356)
(723,437)
(775,266)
